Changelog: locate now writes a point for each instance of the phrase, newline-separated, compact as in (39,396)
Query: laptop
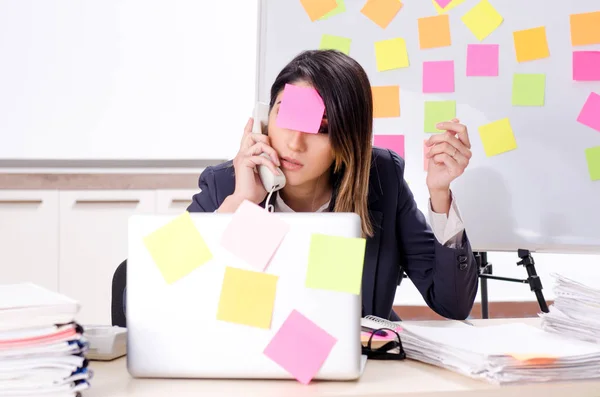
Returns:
(173,331)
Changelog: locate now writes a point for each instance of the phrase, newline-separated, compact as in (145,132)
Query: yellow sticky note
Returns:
(531,44)
(585,28)
(391,54)
(482,19)
(434,32)
(450,6)
(247,297)
(318,8)
(335,263)
(497,137)
(386,101)
(177,248)
(382,12)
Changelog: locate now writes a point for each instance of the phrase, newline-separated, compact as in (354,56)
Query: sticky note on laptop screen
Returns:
(301,109)
(247,298)
(254,235)
(335,263)
(316,9)
(382,12)
(300,347)
(177,248)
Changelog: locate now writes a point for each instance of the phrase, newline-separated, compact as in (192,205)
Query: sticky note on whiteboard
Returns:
(586,65)
(585,28)
(497,137)
(592,156)
(590,113)
(382,12)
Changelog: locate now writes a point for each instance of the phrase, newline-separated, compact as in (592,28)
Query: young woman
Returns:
(339,170)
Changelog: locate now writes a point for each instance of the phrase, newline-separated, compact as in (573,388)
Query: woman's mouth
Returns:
(289,164)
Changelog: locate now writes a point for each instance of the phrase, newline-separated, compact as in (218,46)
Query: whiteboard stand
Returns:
(534,281)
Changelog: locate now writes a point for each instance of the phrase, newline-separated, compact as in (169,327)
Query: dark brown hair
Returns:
(346,91)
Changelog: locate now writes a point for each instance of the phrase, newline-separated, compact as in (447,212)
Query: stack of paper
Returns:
(575,312)
(508,353)
(41,347)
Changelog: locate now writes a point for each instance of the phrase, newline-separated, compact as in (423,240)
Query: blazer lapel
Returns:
(370,264)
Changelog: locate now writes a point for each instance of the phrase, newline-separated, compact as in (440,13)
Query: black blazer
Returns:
(403,241)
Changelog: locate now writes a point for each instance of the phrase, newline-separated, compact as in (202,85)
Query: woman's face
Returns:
(304,156)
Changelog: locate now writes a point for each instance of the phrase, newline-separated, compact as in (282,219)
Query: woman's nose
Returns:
(296,141)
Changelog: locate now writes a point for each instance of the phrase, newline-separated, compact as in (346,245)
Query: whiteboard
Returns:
(125,79)
(539,196)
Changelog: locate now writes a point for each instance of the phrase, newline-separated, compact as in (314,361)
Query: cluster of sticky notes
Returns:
(248,296)
(301,109)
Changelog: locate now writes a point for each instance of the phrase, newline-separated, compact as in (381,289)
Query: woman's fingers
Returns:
(450,150)
(460,130)
(251,139)
(261,147)
(254,161)
(453,167)
(449,139)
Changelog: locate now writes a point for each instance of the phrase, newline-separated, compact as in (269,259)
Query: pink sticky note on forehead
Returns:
(392,142)
(482,59)
(254,235)
(586,65)
(300,347)
(301,109)
(438,76)
(590,114)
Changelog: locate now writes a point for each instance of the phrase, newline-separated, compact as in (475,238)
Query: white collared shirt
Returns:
(448,230)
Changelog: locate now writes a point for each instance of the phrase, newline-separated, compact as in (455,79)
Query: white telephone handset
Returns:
(270,181)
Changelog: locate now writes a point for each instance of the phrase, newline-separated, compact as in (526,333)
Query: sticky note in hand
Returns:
(437,112)
(177,248)
(438,76)
(335,263)
(592,156)
(529,89)
(482,19)
(254,234)
(434,32)
(586,65)
(301,109)
(317,9)
(585,28)
(590,113)
(392,142)
(497,137)
(482,59)
(300,347)
(382,12)
(391,54)
(247,298)
(531,44)
(386,101)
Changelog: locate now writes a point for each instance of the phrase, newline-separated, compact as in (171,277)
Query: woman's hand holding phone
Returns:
(248,185)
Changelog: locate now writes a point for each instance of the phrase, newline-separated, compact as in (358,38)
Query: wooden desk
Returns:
(381,379)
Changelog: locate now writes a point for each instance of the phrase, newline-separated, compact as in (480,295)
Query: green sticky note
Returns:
(341,7)
(177,248)
(335,263)
(592,156)
(330,42)
(528,89)
(438,111)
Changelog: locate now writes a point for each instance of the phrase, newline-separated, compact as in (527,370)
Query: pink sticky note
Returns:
(254,234)
(443,3)
(438,76)
(482,59)
(590,114)
(586,65)
(300,347)
(392,142)
(301,109)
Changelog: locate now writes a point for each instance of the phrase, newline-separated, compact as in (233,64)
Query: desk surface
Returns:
(381,379)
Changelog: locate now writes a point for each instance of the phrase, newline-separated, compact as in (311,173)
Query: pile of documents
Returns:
(41,347)
(502,354)
(575,312)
